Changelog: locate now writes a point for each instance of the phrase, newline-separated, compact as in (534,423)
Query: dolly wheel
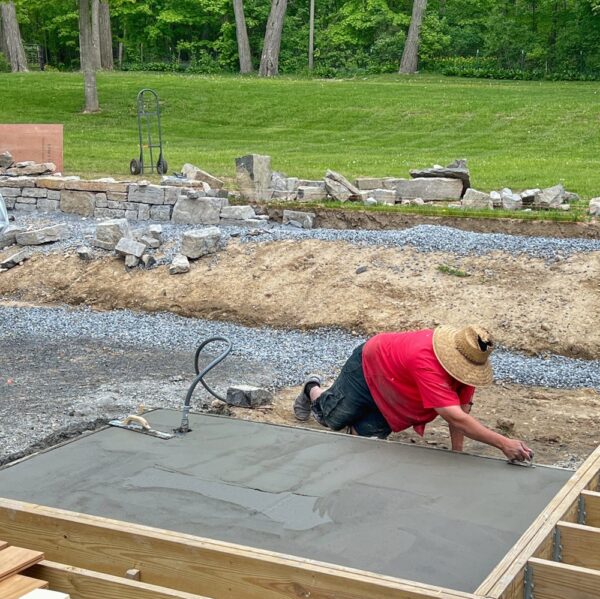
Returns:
(135,166)
(162,166)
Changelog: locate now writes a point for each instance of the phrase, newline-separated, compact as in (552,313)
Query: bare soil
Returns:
(530,305)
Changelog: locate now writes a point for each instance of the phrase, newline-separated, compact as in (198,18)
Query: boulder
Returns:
(302,220)
(253,176)
(43,235)
(6,160)
(476,200)
(456,170)
(339,188)
(594,207)
(429,189)
(128,246)
(246,396)
(510,200)
(201,211)
(179,265)
(197,174)
(237,212)
(78,202)
(14,259)
(110,232)
(200,242)
(550,198)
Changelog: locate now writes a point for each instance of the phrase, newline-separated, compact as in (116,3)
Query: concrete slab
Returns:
(425,515)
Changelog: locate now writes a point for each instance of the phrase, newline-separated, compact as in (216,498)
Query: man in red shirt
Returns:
(398,380)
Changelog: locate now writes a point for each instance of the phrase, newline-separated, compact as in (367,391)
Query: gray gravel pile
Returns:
(291,354)
(424,238)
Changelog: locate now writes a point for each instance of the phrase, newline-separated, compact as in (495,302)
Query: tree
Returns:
(242,37)
(11,42)
(87,53)
(410,55)
(95,10)
(269,60)
(106,44)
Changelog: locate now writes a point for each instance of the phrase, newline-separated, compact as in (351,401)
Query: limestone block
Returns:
(10,203)
(457,170)
(366,183)
(43,235)
(55,182)
(23,200)
(8,237)
(496,198)
(510,200)
(46,205)
(200,242)
(128,246)
(150,242)
(131,261)
(131,214)
(246,396)
(155,231)
(98,185)
(85,252)
(146,194)
(171,195)
(383,196)
(115,196)
(477,200)
(309,194)
(302,220)
(78,202)
(594,207)
(25,207)
(143,212)
(17,182)
(550,198)
(6,159)
(311,183)
(10,192)
(162,213)
(14,259)
(237,212)
(392,182)
(34,192)
(194,173)
(53,194)
(29,168)
(202,211)
(179,265)
(110,232)
(429,189)
(253,176)
(339,188)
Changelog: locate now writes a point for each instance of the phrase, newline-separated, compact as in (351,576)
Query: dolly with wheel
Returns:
(148,110)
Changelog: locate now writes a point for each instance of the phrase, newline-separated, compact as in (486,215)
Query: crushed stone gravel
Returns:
(291,354)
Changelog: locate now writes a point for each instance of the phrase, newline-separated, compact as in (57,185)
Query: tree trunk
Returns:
(12,44)
(86,52)
(311,35)
(106,42)
(95,6)
(242,37)
(410,55)
(269,61)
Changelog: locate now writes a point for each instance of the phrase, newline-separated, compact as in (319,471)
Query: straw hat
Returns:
(464,353)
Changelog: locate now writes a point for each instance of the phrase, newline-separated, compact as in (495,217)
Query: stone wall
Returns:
(107,198)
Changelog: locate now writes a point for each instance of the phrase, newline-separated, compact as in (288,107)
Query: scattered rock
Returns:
(131,261)
(505,426)
(237,212)
(246,396)
(6,160)
(594,207)
(41,236)
(429,189)
(510,200)
(253,176)
(110,232)
(179,265)
(150,242)
(310,193)
(302,220)
(148,260)
(528,196)
(200,242)
(361,269)
(197,174)
(128,246)
(550,198)
(15,259)
(370,202)
(496,198)
(8,237)
(457,170)
(85,253)
(339,188)
(201,211)
(383,196)
(367,183)
(219,407)
(154,231)
(30,169)
(477,200)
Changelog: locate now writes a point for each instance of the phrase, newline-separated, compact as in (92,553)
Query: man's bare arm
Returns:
(457,437)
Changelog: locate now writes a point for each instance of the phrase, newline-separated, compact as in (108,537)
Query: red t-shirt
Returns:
(406,380)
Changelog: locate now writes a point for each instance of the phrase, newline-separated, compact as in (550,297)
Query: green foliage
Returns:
(4,64)
(451,270)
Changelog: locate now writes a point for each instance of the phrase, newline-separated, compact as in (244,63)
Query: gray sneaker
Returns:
(302,404)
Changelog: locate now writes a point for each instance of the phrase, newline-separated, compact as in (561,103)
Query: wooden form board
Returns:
(41,143)
(16,586)
(191,564)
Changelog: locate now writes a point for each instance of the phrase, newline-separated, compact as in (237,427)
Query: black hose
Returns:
(185,425)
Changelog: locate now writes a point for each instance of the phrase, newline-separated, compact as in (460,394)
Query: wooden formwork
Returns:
(558,557)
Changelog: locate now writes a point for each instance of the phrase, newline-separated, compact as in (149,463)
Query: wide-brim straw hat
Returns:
(464,353)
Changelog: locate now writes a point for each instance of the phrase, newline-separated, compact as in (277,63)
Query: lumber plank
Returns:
(83,584)
(506,579)
(15,559)
(3,545)
(193,564)
(552,580)
(592,508)
(16,586)
(580,545)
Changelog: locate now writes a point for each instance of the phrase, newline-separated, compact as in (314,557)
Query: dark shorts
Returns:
(348,402)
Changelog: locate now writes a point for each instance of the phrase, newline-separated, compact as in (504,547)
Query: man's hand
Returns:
(516,450)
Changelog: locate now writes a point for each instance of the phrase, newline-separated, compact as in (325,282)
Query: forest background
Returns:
(506,39)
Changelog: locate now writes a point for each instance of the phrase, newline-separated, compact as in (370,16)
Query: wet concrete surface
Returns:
(411,512)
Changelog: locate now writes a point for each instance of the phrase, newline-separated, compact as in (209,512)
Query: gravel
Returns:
(424,238)
(291,354)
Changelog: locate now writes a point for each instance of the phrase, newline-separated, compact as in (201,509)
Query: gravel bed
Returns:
(424,238)
(291,354)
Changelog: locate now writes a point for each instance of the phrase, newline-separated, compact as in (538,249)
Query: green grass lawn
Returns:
(515,134)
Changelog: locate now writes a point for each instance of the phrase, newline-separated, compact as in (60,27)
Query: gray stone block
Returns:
(25,200)
(25,207)
(308,194)
(302,220)
(339,188)
(171,195)
(9,235)
(109,213)
(246,396)
(143,212)
(43,235)
(127,246)
(162,213)
(53,194)
(237,212)
(594,207)
(202,211)
(179,265)
(34,192)
(46,205)
(78,202)
(131,214)
(85,253)
(253,176)
(146,194)
(429,189)
(14,259)
(10,192)
(200,242)
(110,232)
(131,261)
(365,183)
(477,200)
(196,174)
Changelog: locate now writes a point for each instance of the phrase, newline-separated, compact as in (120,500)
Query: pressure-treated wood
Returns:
(580,545)
(17,559)
(3,544)
(16,586)
(552,580)
(506,580)
(591,501)
(192,564)
(85,584)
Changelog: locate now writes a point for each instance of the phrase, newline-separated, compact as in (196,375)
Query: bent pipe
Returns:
(185,424)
